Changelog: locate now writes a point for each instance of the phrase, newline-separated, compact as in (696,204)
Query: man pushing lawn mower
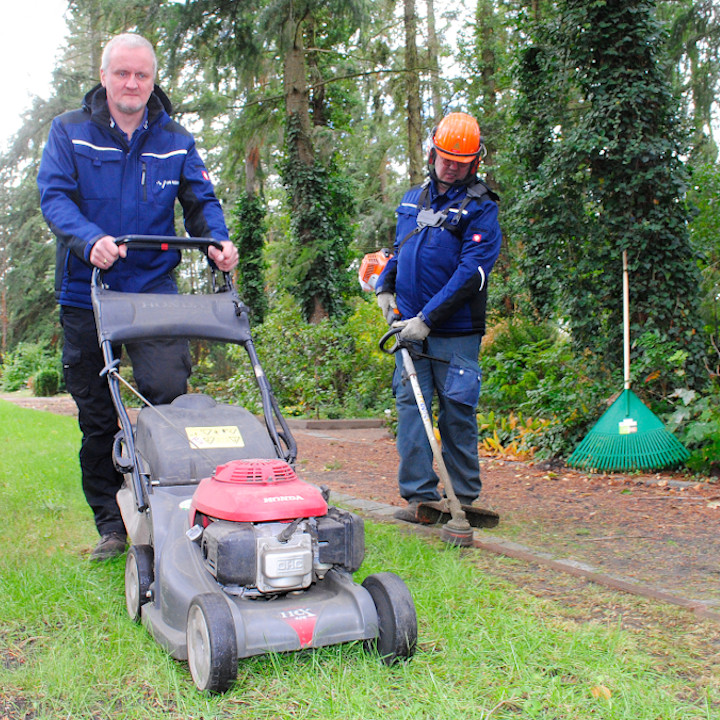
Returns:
(114,167)
(435,287)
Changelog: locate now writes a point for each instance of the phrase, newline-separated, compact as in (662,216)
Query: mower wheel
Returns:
(211,643)
(139,576)
(397,621)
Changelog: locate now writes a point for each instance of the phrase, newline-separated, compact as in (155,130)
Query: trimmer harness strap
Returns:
(427,217)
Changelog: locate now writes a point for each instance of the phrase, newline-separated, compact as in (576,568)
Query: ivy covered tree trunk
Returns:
(249,238)
(297,95)
(610,179)
(316,265)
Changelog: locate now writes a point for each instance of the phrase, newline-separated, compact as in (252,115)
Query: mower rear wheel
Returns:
(397,621)
(139,575)
(211,643)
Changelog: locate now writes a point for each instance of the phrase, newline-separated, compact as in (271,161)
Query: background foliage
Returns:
(312,114)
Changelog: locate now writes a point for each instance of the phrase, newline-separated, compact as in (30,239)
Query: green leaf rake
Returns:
(628,436)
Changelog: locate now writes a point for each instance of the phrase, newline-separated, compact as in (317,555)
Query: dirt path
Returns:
(656,530)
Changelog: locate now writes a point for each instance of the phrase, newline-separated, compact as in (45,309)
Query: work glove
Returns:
(386,301)
(413,330)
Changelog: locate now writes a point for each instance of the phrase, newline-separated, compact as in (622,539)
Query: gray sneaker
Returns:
(110,546)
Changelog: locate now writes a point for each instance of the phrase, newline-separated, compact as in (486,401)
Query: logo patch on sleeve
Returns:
(205,175)
(477,237)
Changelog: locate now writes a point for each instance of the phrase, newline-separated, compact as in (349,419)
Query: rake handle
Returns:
(626,319)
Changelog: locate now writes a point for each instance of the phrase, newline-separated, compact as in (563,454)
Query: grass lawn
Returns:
(490,647)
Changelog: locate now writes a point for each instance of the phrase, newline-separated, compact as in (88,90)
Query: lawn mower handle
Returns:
(169,242)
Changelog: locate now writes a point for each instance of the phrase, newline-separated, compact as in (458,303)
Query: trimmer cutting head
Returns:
(457,533)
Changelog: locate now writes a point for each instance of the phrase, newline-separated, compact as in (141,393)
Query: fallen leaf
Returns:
(600,691)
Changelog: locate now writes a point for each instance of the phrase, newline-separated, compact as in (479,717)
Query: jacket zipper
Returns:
(143,178)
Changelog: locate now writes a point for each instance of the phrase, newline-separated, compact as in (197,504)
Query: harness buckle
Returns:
(430,218)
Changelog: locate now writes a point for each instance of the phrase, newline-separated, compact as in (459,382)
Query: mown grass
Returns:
(488,648)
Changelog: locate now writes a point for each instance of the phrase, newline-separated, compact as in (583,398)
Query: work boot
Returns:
(109,546)
(410,514)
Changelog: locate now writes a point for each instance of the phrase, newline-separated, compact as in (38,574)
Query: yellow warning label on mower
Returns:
(221,436)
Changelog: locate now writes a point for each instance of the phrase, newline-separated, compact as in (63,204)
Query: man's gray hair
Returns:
(130,40)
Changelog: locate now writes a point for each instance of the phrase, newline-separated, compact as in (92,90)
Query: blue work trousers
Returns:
(454,379)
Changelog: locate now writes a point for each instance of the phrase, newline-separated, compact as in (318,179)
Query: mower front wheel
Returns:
(397,621)
(211,643)
(139,575)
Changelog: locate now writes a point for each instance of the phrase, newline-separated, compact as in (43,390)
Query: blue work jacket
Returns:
(440,272)
(93,182)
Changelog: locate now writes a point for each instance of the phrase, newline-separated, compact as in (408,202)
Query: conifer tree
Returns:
(602,147)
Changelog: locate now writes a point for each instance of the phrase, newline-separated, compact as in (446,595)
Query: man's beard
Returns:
(128,109)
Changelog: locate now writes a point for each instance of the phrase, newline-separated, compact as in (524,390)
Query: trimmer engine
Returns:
(262,530)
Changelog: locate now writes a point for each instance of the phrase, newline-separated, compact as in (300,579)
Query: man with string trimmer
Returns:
(447,241)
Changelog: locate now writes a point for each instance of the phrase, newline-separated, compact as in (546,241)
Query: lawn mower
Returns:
(231,555)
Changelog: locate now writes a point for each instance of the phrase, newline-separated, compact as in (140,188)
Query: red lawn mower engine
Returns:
(264,531)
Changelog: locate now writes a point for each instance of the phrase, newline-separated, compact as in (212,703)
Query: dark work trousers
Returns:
(161,370)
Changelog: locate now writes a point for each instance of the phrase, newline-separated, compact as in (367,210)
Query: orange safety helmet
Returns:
(457,137)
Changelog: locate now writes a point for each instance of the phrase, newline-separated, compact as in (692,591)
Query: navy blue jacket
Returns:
(94,183)
(440,273)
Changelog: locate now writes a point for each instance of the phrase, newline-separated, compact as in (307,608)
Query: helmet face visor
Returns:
(456,157)
(451,171)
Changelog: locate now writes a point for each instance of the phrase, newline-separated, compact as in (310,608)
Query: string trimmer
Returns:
(459,519)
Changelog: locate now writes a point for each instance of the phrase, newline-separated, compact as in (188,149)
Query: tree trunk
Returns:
(318,87)
(412,85)
(434,64)
(252,162)
(297,101)
(485,24)
(297,106)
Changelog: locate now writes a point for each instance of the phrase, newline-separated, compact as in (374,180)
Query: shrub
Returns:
(46,383)
(24,362)
(330,369)
(697,423)
(531,372)
(511,436)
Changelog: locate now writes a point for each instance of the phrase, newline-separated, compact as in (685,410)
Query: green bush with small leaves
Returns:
(25,362)
(328,370)
(697,424)
(46,383)
(531,371)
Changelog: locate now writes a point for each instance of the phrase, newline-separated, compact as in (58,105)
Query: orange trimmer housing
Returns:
(370,268)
